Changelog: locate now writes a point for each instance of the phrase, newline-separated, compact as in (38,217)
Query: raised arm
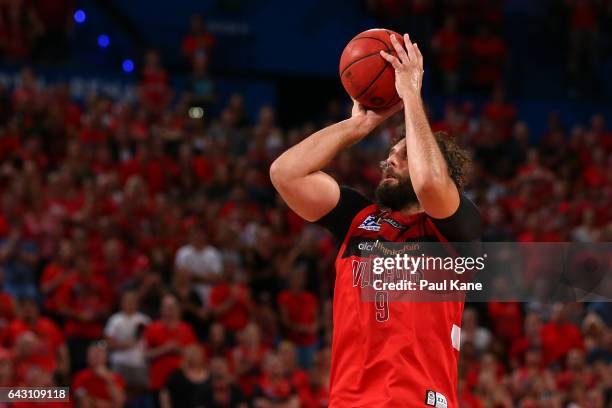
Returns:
(435,190)
(297,175)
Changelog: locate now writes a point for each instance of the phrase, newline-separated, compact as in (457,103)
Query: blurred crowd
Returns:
(35,30)
(146,260)
(471,40)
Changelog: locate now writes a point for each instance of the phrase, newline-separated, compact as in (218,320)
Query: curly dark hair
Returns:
(457,159)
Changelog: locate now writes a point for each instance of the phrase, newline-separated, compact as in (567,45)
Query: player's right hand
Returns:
(367,119)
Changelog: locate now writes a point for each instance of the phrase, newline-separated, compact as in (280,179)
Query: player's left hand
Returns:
(368,119)
(408,66)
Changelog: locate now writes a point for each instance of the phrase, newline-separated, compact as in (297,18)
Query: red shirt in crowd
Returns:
(85,294)
(254,355)
(155,87)
(157,334)
(314,397)
(237,316)
(278,390)
(448,44)
(507,320)
(558,338)
(7,307)
(87,381)
(193,43)
(49,336)
(488,54)
(502,115)
(51,272)
(567,378)
(302,309)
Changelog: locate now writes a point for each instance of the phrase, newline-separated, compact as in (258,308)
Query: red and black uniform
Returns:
(398,354)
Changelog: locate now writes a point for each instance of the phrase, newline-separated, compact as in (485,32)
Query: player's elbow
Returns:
(278,174)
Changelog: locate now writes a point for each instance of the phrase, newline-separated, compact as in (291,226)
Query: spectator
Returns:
(597,340)
(576,372)
(155,93)
(164,339)
(55,274)
(7,375)
(530,339)
(501,112)
(447,44)
(247,358)
(192,310)
(218,344)
(202,261)
(587,231)
(299,316)
(18,259)
(531,376)
(479,336)
(488,55)
(182,384)
(7,307)
(219,391)
(559,336)
(299,379)
(274,388)
(506,318)
(201,86)
(50,353)
(114,264)
(123,333)
(21,29)
(84,303)
(97,385)
(230,303)
(199,42)
(583,45)
(149,286)
(38,378)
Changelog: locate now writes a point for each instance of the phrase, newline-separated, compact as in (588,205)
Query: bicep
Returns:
(311,196)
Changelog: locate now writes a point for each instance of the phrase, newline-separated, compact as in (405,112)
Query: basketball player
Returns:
(398,354)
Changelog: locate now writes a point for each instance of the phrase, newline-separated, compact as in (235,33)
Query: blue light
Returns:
(128,65)
(80,16)
(103,40)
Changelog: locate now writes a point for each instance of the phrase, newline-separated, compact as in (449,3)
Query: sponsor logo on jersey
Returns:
(435,399)
(367,245)
(394,223)
(370,224)
(430,398)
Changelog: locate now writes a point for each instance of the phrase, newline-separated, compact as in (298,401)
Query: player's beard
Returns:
(396,196)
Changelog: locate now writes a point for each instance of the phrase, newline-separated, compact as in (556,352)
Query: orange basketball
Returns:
(366,76)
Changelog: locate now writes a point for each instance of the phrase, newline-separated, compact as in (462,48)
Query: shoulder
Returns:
(142,318)
(48,324)
(82,376)
(117,318)
(187,329)
(310,298)
(119,380)
(284,295)
(340,218)
(184,251)
(463,225)
(153,328)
